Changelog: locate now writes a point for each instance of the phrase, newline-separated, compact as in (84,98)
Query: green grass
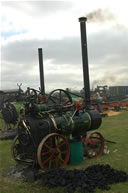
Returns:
(3,126)
(114,128)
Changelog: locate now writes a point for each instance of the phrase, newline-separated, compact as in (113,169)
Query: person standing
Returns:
(99,100)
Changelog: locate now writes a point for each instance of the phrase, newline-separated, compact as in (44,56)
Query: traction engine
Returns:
(44,129)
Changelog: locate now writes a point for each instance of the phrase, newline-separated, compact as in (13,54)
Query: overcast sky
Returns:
(53,26)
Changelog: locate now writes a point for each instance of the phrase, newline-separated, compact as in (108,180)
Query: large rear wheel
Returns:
(53,152)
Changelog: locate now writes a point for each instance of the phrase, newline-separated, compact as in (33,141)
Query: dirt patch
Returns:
(111,113)
(29,174)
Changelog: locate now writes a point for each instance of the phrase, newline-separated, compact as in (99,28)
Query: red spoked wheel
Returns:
(94,145)
(53,152)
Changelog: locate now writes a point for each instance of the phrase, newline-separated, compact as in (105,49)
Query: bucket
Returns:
(76,152)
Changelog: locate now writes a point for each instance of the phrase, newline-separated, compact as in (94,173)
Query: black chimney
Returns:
(82,21)
(42,87)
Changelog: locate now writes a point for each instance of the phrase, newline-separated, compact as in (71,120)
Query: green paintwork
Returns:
(41,107)
(75,121)
(80,123)
(18,106)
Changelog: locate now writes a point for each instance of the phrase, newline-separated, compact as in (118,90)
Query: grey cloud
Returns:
(52,80)
(49,6)
(37,8)
(21,56)
(63,51)
(109,47)
(104,48)
(107,52)
(64,80)
(27,81)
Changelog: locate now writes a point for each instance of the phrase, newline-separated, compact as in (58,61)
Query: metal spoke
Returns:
(50,163)
(51,98)
(45,153)
(63,152)
(57,162)
(58,139)
(59,145)
(44,162)
(60,159)
(46,145)
(50,139)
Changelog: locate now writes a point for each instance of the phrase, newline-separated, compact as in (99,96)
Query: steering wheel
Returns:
(59,97)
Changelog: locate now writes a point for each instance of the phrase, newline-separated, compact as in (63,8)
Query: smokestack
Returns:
(42,87)
(82,21)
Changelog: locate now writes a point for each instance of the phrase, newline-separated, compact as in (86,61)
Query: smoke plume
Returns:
(100,16)
(105,81)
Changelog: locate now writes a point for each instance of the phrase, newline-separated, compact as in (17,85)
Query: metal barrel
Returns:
(42,86)
(82,21)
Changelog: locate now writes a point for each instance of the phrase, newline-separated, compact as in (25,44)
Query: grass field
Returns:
(113,128)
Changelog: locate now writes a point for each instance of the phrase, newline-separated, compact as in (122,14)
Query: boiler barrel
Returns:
(80,123)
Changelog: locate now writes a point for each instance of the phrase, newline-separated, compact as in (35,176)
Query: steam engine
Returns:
(45,129)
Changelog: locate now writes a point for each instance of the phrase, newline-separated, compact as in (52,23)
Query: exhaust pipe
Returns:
(42,86)
(82,21)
